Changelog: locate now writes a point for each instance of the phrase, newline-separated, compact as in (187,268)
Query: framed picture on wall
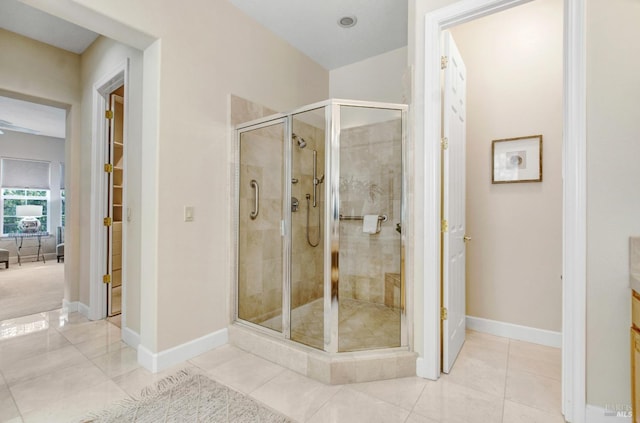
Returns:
(517,160)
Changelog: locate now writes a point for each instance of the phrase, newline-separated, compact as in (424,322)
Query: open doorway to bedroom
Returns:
(32,206)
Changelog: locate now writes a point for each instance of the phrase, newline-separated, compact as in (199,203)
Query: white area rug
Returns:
(31,288)
(187,397)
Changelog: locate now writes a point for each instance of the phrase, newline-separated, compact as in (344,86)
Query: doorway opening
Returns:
(507,281)
(114,173)
(109,234)
(574,205)
(33,139)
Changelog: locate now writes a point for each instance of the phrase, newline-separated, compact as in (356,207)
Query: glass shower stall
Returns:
(320,210)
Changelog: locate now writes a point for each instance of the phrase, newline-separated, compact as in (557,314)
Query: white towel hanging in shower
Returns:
(370,224)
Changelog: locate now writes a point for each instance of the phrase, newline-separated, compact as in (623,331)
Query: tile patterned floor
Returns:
(56,367)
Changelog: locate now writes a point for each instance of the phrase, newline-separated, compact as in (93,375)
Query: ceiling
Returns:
(312,26)
(24,116)
(31,118)
(33,23)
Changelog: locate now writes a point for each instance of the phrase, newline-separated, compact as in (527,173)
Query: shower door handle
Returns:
(256,206)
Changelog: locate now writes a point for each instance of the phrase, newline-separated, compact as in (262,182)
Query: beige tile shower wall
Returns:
(307,261)
(243,110)
(370,183)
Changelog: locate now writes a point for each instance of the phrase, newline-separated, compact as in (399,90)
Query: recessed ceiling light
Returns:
(347,21)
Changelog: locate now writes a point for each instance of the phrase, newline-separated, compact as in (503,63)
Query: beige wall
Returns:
(205,52)
(59,85)
(103,57)
(613,196)
(379,78)
(514,89)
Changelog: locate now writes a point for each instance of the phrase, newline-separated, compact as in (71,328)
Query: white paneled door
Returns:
(453,203)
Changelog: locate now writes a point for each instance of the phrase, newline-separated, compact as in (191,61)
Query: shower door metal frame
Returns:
(285,223)
(331,219)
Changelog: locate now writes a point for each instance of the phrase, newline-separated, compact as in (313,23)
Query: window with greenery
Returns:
(63,204)
(15,197)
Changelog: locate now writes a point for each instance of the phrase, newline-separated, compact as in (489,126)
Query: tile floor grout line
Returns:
(342,387)
(544,410)
(418,398)
(44,373)
(506,378)
(537,374)
(384,400)
(15,404)
(284,369)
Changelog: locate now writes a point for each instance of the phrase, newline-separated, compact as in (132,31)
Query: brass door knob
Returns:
(466,238)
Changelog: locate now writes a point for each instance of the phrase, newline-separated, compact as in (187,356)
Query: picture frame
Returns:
(517,160)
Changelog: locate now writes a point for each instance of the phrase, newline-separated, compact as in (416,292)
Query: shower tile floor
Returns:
(362,325)
(58,367)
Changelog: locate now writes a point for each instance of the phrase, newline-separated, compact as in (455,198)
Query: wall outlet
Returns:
(188,213)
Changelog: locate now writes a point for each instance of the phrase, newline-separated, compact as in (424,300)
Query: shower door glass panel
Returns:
(261,182)
(307,227)
(370,246)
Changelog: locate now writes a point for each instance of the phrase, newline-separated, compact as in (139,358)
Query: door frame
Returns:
(574,192)
(97,266)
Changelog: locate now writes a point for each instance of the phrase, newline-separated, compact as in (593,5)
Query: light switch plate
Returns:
(188,213)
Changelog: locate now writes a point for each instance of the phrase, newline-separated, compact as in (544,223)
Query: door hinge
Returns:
(106,278)
(444,61)
(443,313)
(444,142)
(108,167)
(108,114)
(107,221)
(445,225)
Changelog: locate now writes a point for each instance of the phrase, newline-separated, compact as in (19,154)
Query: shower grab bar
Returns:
(382,218)
(256,207)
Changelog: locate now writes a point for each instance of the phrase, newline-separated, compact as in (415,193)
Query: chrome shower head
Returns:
(301,142)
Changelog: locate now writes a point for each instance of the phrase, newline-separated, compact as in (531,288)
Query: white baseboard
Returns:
(76,306)
(420,368)
(130,337)
(71,307)
(595,414)
(84,310)
(521,333)
(156,362)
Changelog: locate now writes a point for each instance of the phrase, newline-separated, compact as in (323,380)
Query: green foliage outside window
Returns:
(18,197)
(63,204)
